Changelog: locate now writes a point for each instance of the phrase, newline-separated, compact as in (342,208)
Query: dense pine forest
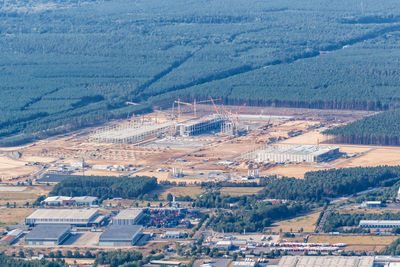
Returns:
(70,64)
(105,187)
(380,129)
(321,185)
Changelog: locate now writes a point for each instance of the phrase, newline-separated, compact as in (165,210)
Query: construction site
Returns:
(204,140)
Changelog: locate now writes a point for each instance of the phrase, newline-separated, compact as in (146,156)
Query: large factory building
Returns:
(76,217)
(293,153)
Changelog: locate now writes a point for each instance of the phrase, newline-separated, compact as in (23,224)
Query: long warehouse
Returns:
(293,153)
(78,217)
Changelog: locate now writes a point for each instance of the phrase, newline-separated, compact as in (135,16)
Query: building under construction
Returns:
(132,132)
(201,125)
(293,153)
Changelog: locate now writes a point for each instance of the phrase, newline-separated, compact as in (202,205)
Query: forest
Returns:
(7,261)
(393,249)
(71,64)
(246,213)
(326,184)
(254,216)
(380,129)
(105,187)
(335,221)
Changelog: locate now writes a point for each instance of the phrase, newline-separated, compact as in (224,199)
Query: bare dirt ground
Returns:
(14,215)
(75,146)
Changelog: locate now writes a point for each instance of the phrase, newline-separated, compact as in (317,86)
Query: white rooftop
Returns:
(81,214)
(326,261)
(57,198)
(128,214)
(297,149)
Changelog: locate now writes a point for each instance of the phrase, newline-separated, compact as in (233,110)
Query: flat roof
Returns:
(81,214)
(57,198)
(195,121)
(297,149)
(85,198)
(128,214)
(47,232)
(384,222)
(122,233)
(326,261)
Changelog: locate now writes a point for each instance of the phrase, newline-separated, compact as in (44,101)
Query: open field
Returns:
(306,222)
(240,191)
(192,191)
(14,215)
(29,194)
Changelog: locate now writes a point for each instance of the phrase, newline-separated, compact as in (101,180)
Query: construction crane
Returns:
(134,104)
(236,118)
(204,101)
(179,102)
(194,105)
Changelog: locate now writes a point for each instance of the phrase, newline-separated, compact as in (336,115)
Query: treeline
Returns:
(382,194)
(392,249)
(380,129)
(321,185)
(336,221)
(119,258)
(6,261)
(216,200)
(254,216)
(105,187)
(53,82)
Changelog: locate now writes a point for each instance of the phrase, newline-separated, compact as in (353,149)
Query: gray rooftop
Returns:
(297,149)
(82,214)
(128,214)
(326,261)
(47,232)
(122,233)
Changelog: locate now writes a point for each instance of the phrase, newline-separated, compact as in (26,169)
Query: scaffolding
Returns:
(202,125)
(132,132)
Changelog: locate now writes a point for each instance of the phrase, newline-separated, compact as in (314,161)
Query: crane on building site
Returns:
(236,116)
(194,105)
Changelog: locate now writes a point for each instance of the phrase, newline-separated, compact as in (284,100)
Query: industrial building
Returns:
(249,263)
(51,234)
(371,204)
(68,201)
(57,201)
(85,201)
(293,153)
(199,126)
(132,132)
(77,217)
(173,235)
(379,223)
(11,237)
(339,261)
(128,217)
(121,235)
